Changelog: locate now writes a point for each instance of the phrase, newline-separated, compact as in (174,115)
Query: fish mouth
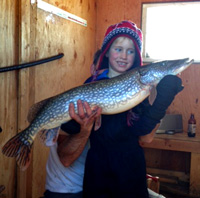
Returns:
(153,73)
(183,64)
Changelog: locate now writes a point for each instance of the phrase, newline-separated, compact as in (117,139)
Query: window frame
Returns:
(144,8)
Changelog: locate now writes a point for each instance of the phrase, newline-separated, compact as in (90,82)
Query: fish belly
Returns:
(128,103)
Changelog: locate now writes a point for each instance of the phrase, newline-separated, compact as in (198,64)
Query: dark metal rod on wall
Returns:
(31,64)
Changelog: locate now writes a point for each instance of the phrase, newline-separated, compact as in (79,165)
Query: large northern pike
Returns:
(114,95)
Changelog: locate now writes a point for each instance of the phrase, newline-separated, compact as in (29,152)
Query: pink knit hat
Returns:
(125,29)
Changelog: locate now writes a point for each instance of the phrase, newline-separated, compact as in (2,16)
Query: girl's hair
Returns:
(96,57)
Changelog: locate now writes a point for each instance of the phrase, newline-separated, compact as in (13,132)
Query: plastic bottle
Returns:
(191,126)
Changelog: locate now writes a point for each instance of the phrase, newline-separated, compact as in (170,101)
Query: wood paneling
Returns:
(8,91)
(51,35)
(173,160)
(195,176)
(27,34)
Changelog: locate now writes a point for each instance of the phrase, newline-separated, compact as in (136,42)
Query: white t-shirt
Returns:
(63,179)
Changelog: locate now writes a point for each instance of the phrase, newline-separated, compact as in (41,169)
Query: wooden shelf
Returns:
(176,142)
(181,142)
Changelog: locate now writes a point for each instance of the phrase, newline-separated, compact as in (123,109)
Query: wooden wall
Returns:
(27,34)
(8,89)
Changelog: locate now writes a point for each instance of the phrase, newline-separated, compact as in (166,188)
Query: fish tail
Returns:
(20,148)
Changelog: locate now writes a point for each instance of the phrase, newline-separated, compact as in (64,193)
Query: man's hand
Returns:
(72,146)
(85,116)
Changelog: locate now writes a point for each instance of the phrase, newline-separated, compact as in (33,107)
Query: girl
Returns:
(115,164)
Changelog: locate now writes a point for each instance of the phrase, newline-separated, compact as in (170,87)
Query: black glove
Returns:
(167,89)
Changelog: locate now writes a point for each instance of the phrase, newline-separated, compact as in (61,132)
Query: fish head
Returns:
(151,74)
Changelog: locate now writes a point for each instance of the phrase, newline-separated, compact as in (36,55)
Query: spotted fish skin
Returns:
(113,95)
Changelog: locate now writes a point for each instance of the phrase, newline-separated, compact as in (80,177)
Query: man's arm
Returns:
(71,146)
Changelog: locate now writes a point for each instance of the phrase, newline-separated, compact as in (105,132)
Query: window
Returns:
(171,30)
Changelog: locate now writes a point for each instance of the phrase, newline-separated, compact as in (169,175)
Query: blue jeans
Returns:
(49,194)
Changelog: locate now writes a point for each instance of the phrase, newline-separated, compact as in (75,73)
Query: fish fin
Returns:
(97,124)
(20,148)
(49,136)
(35,109)
(153,94)
(97,119)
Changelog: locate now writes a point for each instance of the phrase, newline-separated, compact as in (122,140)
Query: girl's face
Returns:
(121,56)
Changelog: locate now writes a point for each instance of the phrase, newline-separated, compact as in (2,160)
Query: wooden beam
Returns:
(195,174)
